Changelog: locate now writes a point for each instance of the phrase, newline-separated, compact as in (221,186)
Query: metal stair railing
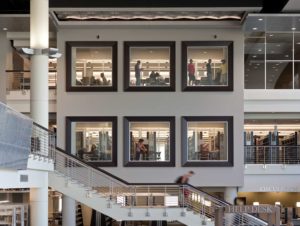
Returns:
(99,182)
(272,154)
(42,142)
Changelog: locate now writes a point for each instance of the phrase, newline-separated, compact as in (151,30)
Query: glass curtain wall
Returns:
(272,60)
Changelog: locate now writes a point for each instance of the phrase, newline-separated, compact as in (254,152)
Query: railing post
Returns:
(165,214)
(148,197)
(264,155)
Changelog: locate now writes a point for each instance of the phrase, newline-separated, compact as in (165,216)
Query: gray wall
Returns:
(158,103)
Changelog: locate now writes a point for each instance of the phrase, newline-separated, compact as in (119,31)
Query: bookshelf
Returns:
(14,215)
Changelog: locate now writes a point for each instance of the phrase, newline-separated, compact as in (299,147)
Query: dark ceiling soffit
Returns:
(15,7)
(273,6)
(153,3)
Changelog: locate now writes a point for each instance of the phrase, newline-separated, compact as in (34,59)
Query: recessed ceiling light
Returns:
(260,19)
(286,55)
(254,28)
(5,29)
(278,45)
(259,50)
(255,67)
(271,35)
(254,56)
(298,43)
(257,64)
(293,28)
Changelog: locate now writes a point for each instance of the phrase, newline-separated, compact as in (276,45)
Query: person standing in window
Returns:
(191,72)
(138,69)
(140,148)
(223,67)
(208,71)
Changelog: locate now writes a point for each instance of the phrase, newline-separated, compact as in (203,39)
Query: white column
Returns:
(230,194)
(39,39)
(39,204)
(68,211)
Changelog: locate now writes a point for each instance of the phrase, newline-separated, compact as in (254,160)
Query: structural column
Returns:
(39,92)
(39,204)
(39,39)
(68,211)
(230,194)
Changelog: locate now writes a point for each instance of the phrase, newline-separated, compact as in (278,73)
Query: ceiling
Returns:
(14,13)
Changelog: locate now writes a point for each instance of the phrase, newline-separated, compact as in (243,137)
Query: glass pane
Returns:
(149,141)
(207,141)
(297,46)
(207,66)
(279,75)
(149,66)
(254,63)
(297,75)
(279,46)
(92,66)
(93,141)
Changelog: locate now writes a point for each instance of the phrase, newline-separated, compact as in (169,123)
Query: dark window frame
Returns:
(230,77)
(128,45)
(112,119)
(70,87)
(128,120)
(206,163)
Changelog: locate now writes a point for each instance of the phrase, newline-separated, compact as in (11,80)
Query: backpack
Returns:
(178,180)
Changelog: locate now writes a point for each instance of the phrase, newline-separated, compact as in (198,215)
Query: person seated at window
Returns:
(152,77)
(140,148)
(105,82)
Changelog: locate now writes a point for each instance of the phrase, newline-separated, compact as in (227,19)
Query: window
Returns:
(149,66)
(149,141)
(91,66)
(207,66)
(93,139)
(272,61)
(207,141)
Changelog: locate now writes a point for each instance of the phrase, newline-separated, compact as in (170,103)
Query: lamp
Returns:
(52,53)
(277,203)
(255,203)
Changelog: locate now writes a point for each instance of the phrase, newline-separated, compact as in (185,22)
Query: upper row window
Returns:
(149,66)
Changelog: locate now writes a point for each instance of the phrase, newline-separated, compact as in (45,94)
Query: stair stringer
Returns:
(119,213)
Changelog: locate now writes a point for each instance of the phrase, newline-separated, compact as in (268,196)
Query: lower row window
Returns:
(150,141)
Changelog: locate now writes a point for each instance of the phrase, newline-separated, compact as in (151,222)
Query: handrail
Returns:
(272,154)
(137,195)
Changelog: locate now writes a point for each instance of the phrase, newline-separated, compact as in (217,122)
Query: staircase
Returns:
(115,197)
(124,201)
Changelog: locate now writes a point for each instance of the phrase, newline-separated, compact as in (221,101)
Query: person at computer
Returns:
(105,82)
